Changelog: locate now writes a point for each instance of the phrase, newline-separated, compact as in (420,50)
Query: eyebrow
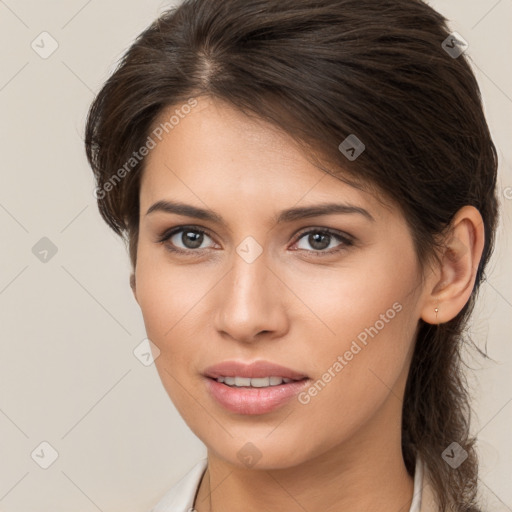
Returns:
(288,215)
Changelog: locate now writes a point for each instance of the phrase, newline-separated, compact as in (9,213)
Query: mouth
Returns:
(258,387)
(256,382)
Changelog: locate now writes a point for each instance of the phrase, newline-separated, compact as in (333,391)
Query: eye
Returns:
(184,239)
(321,239)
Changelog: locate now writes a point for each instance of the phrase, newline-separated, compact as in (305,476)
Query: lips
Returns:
(253,400)
(257,369)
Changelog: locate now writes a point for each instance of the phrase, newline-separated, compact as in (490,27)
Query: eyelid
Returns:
(320,229)
(171,231)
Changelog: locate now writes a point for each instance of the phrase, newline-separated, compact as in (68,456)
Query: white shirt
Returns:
(180,498)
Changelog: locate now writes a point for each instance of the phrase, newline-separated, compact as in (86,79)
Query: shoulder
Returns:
(180,498)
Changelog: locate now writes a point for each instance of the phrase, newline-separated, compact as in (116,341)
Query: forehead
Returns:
(216,153)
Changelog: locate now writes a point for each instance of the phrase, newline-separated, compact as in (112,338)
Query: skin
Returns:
(340,451)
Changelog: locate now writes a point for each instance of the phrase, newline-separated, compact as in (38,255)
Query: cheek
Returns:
(164,292)
(172,299)
(341,302)
(359,340)
(167,297)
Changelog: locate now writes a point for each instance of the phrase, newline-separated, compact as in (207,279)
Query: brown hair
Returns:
(322,70)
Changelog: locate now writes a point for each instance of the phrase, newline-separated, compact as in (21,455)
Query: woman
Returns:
(307,188)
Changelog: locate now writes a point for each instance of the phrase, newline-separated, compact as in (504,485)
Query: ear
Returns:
(452,281)
(132,285)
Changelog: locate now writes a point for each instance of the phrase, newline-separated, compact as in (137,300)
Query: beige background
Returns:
(68,374)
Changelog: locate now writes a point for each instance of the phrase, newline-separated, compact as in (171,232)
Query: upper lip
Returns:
(251,370)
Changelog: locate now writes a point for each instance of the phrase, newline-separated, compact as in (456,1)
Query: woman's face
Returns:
(339,308)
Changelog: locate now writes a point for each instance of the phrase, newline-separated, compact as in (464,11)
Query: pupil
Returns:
(314,240)
(192,239)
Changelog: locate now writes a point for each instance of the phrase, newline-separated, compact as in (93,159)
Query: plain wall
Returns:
(68,375)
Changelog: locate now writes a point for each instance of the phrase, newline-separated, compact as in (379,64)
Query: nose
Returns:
(251,302)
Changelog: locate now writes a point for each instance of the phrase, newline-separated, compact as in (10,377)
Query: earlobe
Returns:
(459,261)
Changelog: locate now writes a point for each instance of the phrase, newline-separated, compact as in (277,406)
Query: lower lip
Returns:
(246,400)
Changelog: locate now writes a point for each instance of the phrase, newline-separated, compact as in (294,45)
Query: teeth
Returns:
(261,382)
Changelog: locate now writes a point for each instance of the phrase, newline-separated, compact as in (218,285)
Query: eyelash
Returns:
(347,240)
